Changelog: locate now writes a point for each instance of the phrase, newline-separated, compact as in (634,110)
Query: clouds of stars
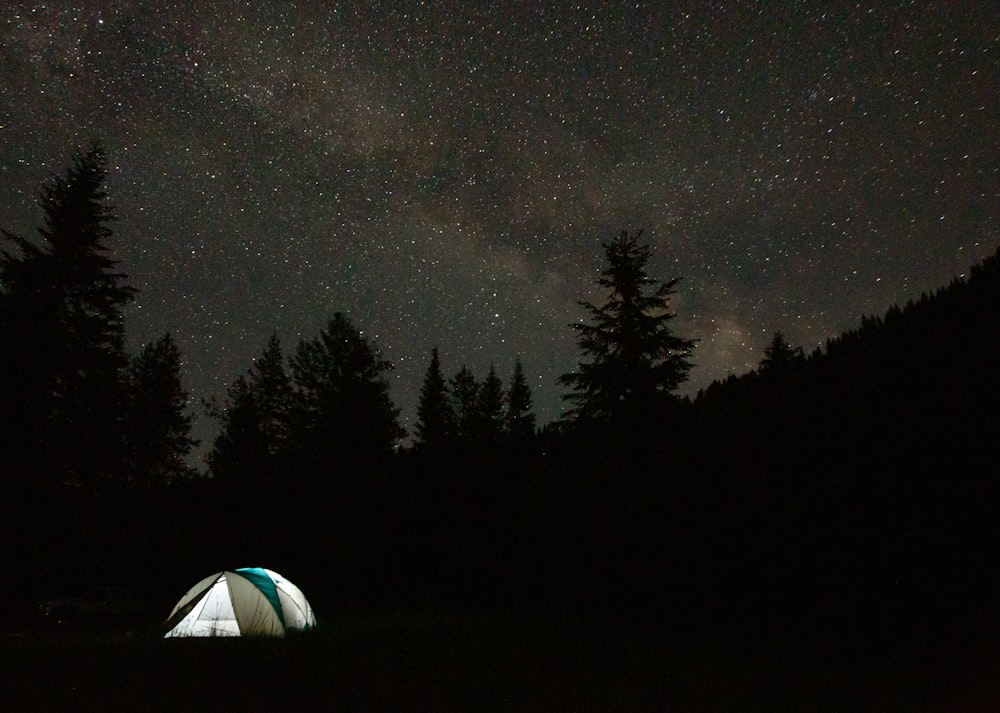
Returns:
(445,174)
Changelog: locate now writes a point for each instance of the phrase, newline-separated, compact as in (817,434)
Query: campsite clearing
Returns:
(496,662)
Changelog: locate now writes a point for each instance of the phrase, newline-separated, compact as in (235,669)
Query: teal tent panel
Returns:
(260,579)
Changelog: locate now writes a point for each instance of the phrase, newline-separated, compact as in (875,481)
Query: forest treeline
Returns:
(853,488)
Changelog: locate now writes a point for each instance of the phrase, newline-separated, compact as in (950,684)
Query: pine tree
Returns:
(465,401)
(633,361)
(62,314)
(272,393)
(519,420)
(255,422)
(239,452)
(158,428)
(489,408)
(435,418)
(780,357)
(342,401)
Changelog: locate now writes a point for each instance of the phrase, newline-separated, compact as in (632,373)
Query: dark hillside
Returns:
(840,511)
(861,487)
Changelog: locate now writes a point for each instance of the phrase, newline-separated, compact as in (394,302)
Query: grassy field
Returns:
(489,663)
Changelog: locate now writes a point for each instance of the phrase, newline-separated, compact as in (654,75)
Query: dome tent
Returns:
(251,601)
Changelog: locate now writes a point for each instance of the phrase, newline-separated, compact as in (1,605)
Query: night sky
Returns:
(445,174)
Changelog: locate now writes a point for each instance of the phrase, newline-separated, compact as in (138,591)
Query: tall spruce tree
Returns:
(272,393)
(238,453)
(62,333)
(435,418)
(342,402)
(632,360)
(465,401)
(489,407)
(519,419)
(780,356)
(158,428)
(255,421)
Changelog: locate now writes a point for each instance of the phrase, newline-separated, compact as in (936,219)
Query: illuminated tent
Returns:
(245,602)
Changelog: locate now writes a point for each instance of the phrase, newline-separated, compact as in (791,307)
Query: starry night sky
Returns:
(445,174)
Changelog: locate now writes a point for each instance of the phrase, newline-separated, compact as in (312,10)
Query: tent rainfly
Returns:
(251,601)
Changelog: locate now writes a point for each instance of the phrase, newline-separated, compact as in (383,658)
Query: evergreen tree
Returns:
(435,418)
(780,357)
(519,419)
(62,332)
(465,401)
(158,428)
(272,393)
(239,452)
(255,421)
(342,402)
(489,407)
(635,361)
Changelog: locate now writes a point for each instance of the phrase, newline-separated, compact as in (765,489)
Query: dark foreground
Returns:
(498,662)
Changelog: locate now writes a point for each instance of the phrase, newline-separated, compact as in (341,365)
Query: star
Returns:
(446,175)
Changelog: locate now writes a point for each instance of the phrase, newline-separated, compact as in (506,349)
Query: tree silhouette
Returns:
(489,408)
(635,361)
(342,403)
(435,418)
(158,426)
(272,390)
(465,401)
(62,313)
(255,421)
(238,448)
(780,357)
(519,419)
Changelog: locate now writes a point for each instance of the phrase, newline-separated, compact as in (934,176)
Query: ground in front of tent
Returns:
(492,662)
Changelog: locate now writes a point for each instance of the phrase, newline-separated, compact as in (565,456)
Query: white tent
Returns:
(251,601)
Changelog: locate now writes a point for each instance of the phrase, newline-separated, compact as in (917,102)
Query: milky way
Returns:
(445,174)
